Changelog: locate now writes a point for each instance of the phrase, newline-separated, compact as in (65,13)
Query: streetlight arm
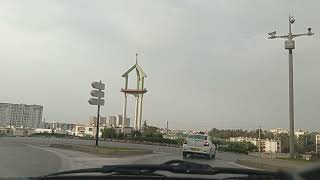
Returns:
(274,37)
(303,34)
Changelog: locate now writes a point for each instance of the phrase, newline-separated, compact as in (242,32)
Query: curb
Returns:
(101,151)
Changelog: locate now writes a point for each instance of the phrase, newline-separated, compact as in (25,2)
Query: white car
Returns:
(199,143)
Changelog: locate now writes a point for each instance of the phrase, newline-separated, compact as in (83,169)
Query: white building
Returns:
(20,115)
(266,145)
(119,121)
(297,132)
(270,146)
(318,143)
(40,130)
(59,126)
(83,130)
(300,132)
(79,130)
(254,141)
(279,131)
(113,121)
(102,121)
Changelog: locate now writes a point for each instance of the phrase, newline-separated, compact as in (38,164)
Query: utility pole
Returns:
(290,45)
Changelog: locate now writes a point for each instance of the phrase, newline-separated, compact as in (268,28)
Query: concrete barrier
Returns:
(102,151)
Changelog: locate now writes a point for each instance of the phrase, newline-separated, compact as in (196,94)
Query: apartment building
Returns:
(265,145)
(20,115)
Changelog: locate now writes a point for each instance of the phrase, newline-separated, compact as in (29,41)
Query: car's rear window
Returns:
(196,136)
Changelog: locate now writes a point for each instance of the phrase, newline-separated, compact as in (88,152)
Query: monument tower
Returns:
(136,92)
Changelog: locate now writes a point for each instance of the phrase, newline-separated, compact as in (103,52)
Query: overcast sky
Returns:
(209,63)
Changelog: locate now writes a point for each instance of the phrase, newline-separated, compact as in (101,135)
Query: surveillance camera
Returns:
(272,33)
(292,19)
(309,29)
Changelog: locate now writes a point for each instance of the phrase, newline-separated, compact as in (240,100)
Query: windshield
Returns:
(198,137)
(231,84)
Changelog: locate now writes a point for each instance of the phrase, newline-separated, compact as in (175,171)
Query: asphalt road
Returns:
(25,156)
(19,159)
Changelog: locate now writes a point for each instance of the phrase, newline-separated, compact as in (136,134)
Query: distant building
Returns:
(254,141)
(60,126)
(39,130)
(23,131)
(120,119)
(127,122)
(297,132)
(79,130)
(266,145)
(300,132)
(6,131)
(127,130)
(279,131)
(112,121)
(318,143)
(82,131)
(102,121)
(270,146)
(21,115)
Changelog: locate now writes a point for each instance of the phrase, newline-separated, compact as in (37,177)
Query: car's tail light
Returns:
(185,142)
(206,143)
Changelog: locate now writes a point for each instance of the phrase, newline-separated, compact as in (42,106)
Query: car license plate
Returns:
(195,149)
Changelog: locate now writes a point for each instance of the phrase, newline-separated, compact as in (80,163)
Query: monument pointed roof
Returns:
(139,70)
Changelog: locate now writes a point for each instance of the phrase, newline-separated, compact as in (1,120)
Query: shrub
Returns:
(154,139)
(109,133)
(120,135)
(180,141)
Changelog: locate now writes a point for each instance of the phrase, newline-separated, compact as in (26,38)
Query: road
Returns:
(25,156)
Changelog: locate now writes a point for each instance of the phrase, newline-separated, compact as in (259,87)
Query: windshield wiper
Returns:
(174,166)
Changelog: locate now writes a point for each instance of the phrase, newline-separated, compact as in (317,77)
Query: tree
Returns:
(150,131)
(306,143)
(145,125)
(284,139)
(109,133)
(227,133)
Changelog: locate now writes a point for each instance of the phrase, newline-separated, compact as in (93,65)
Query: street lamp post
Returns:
(290,45)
